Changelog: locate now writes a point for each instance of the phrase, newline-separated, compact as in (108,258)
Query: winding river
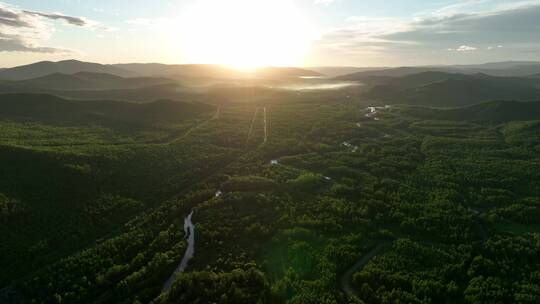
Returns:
(189,230)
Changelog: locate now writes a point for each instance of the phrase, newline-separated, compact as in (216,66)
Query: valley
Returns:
(101,198)
(269,152)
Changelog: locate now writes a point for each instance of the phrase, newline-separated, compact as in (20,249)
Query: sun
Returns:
(245,34)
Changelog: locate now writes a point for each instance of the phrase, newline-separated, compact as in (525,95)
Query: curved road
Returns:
(345,280)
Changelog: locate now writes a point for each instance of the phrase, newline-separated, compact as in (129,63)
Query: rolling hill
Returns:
(392,72)
(430,77)
(507,69)
(44,68)
(416,80)
(493,111)
(449,90)
(212,71)
(84,81)
(185,70)
(340,71)
(56,110)
(516,71)
(501,65)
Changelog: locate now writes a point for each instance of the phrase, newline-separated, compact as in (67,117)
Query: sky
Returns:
(249,33)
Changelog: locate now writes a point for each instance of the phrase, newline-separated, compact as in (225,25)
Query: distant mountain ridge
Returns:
(498,65)
(496,111)
(84,81)
(52,109)
(393,72)
(330,71)
(44,68)
(441,86)
(450,89)
(508,68)
(430,77)
(213,71)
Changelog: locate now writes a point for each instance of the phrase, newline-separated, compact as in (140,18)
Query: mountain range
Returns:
(441,89)
(84,81)
(509,69)
(494,111)
(56,110)
(438,86)
(44,68)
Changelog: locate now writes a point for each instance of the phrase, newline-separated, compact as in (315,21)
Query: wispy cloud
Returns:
(489,48)
(69,19)
(26,31)
(13,43)
(464,48)
(484,23)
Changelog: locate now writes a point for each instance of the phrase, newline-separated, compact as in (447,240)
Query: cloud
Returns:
(10,17)
(25,31)
(489,48)
(69,19)
(516,25)
(18,44)
(422,38)
(464,48)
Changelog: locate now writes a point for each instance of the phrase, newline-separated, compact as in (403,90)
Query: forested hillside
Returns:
(294,201)
(438,89)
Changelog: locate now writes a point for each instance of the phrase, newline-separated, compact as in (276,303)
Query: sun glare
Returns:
(245,34)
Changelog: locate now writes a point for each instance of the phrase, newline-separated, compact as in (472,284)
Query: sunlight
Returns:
(245,34)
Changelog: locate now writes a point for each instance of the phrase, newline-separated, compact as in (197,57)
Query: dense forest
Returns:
(311,199)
